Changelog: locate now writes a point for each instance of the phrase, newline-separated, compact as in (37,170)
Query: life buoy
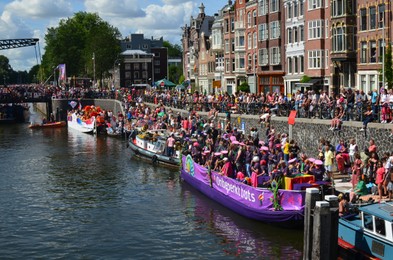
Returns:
(154,159)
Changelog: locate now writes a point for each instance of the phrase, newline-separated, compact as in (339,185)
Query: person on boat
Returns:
(170,143)
(318,170)
(52,118)
(255,171)
(342,205)
(44,121)
(329,157)
(227,169)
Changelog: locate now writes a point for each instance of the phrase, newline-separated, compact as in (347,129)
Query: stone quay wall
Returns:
(308,132)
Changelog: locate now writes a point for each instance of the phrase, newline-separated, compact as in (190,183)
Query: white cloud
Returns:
(114,8)
(39,9)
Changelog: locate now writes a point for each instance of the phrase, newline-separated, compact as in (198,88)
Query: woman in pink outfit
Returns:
(379,179)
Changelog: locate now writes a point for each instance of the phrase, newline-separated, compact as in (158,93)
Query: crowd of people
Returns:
(261,156)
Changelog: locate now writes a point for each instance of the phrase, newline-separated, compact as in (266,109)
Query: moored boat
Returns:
(153,147)
(370,232)
(48,125)
(278,206)
(77,123)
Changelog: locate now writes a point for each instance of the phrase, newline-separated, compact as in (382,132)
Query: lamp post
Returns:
(116,62)
(94,69)
(383,50)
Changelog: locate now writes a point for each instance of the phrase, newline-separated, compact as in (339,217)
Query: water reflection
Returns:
(241,237)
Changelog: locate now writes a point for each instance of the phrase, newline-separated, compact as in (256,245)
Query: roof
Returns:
(131,52)
(381,210)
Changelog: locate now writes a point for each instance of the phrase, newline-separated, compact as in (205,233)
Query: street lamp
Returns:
(114,75)
(383,50)
(94,68)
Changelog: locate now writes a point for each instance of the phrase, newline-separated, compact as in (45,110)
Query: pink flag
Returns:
(62,71)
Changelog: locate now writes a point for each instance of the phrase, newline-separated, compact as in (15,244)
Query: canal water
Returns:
(67,195)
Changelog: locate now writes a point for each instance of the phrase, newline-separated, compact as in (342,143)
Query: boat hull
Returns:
(253,203)
(77,124)
(352,238)
(49,125)
(153,157)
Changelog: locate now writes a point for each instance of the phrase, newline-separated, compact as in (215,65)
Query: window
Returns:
(296,65)
(380,226)
(263,57)
(338,7)
(249,41)
(241,41)
(373,52)
(233,65)
(275,56)
(249,19)
(363,53)
(289,35)
(274,30)
(136,66)
(301,65)
(363,19)
(301,28)
(127,66)
(127,75)
(157,62)
(157,70)
(326,59)
(263,7)
(227,65)
(289,65)
(380,52)
(373,22)
(363,82)
(226,46)
(263,32)
(249,61)
(372,82)
(315,29)
(295,35)
(254,36)
(295,9)
(289,11)
(274,5)
(301,7)
(315,59)
(136,75)
(338,39)
(232,24)
(326,28)
(381,16)
(232,45)
(314,4)
(144,74)
(254,16)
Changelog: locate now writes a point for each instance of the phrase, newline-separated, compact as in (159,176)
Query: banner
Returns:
(62,72)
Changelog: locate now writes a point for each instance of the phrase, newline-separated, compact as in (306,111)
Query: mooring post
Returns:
(333,203)
(312,196)
(321,236)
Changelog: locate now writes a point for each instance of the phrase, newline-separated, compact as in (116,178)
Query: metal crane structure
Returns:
(17,43)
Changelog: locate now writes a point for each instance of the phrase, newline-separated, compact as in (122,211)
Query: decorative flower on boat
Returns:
(261,197)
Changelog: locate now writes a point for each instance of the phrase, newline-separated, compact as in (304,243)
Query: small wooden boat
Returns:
(282,207)
(145,146)
(48,125)
(370,232)
(84,126)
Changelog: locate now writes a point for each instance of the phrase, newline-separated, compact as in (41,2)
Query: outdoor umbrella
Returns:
(165,83)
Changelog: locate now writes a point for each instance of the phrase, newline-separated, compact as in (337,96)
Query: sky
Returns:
(154,18)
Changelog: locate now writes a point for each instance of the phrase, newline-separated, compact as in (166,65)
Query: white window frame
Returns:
(274,6)
(316,59)
(315,29)
(275,56)
(263,57)
(263,7)
(315,4)
(274,30)
(263,32)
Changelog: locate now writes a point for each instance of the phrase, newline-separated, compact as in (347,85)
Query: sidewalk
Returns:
(342,183)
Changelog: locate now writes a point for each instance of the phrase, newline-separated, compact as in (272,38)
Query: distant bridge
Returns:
(17,43)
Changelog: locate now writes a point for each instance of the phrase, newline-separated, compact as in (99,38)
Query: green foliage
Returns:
(389,66)
(181,79)
(174,51)
(305,79)
(244,87)
(174,73)
(75,40)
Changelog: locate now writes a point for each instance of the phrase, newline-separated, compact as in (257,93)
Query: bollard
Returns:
(312,196)
(333,203)
(321,235)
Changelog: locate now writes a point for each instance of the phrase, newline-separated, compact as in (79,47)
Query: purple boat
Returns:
(250,202)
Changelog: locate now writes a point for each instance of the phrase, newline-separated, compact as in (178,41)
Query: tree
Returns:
(75,40)
(388,66)
(5,69)
(174,51)
(244,87)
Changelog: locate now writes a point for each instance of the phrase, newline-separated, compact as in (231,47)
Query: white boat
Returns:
(84,126)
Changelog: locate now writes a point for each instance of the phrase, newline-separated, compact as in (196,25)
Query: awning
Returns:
(310,83)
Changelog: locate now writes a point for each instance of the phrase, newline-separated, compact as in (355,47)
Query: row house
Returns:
(374,20)
(294,44)
(194,38)
(251,44)
(271,47)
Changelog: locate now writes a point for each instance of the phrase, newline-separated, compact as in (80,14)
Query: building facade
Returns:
(294,44)
(143,61)
(374,32)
